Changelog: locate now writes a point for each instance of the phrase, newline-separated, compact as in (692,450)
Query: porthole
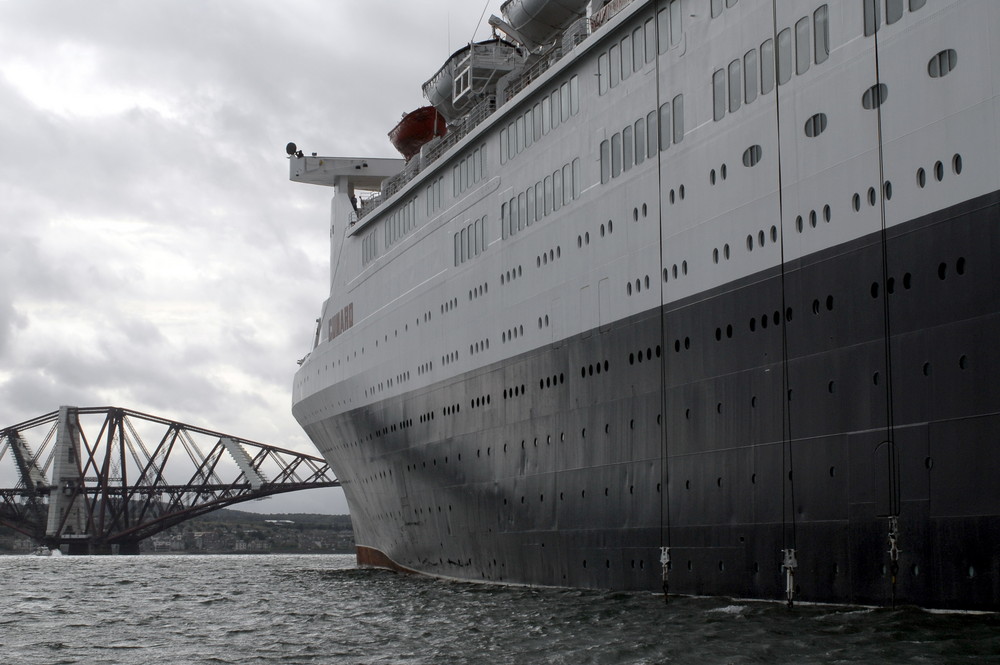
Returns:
(715,255)
(942,63)
(752,155)
(812,218)
(774,234)
(760,238)
(816,125)
(887,190)
(872,196)
(711,177)
(956,164)
(856,202)
(921,178)
(875,96)
(750,243)
(938,171)
(798,224)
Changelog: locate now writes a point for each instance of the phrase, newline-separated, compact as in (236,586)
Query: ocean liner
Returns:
(686,295)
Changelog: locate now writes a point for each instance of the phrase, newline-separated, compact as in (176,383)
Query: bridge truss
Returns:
(100,479)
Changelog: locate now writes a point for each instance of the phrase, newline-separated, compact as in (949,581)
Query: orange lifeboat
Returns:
(417,128)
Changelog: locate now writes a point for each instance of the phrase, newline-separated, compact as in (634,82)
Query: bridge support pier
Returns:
(130,548)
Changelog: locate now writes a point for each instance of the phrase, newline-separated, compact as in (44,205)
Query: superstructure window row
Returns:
(738,82)
(471,241)
(642,139)
(716,6)
(400,222)
(894,10)
(639,47)
(369,248)
(543,198)
(433,195)
(544,116)
(469,171)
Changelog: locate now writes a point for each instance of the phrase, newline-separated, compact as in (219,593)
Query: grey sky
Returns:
(154,254)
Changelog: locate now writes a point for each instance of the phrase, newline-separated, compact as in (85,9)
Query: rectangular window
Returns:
(628,143)
(678,118)
(540,200)
(616,66)
(626,56)
(556,107)
(567,172)
(638,49)
(484,227)
(529,130)
(577,174)
(546,114)
(464,241)
(716,8)
(574,95)
(873,18)
(512,219)
(651,134)
(719,94)
(735,85)
(616,155)
(893,11)
(605,161)
(503,225)
(650,39)
(662,31)
(503,146)
(564,96)
(529,198)
(784,56)
(750,72)
(468,242)
(665,126)
(640,141)
(603,74)
(821,26)
(675,22)
(557,190)
(803,53)
(548,194)
(478,241)
(522,211)
(767,67)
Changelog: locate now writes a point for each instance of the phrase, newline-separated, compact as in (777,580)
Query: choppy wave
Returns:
(321,609)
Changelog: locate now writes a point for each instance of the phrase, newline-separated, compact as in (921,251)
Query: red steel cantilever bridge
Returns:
(109,490)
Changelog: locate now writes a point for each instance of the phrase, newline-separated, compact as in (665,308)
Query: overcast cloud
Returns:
(154,254)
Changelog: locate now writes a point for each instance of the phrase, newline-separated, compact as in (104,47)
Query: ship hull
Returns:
(794,408)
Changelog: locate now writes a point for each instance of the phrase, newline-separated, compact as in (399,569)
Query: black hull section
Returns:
(777,412)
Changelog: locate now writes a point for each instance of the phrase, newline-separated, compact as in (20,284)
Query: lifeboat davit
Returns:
(417,128)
